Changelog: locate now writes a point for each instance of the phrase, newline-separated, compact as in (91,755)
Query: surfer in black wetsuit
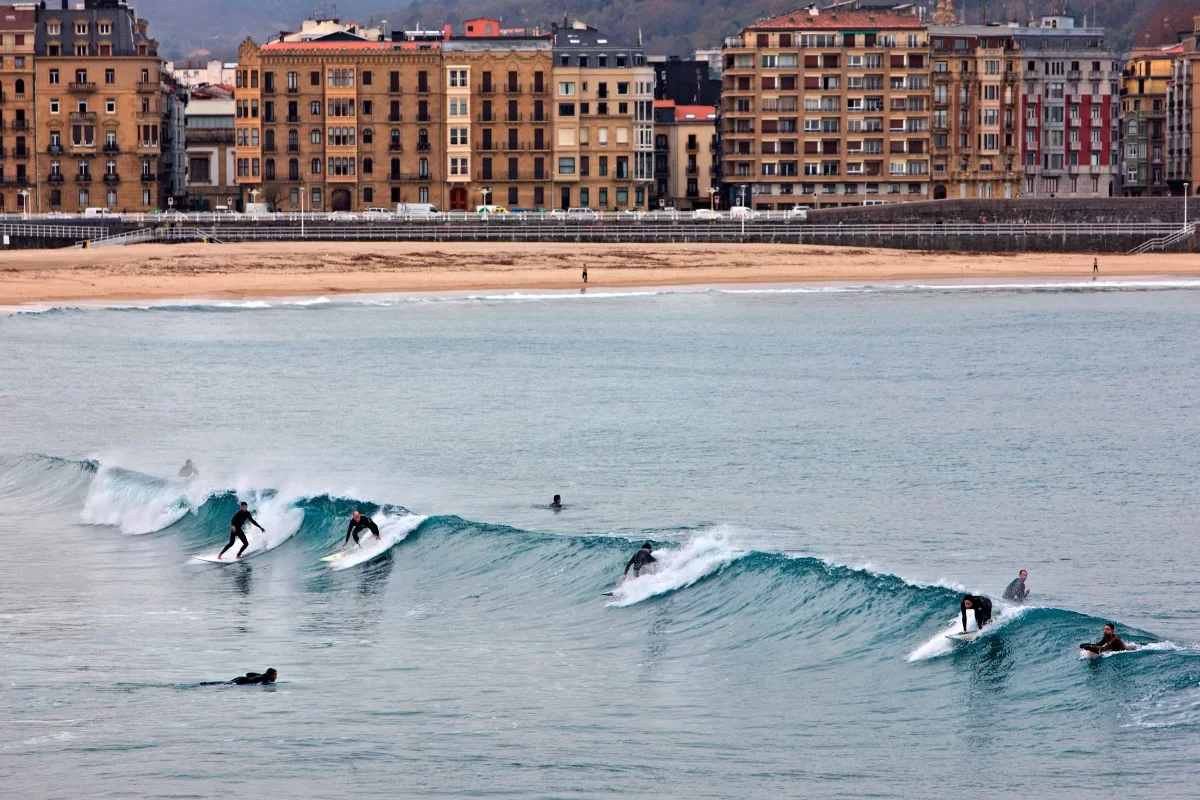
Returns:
(188,470)
(640,562)
(1109,642)
(357,523)
(982,606)
(235,530)
(556,503)
(1016,591)
(249,679)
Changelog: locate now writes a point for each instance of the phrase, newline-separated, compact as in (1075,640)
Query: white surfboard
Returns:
(229,558)
(281,525)
(392,531)
(962,637)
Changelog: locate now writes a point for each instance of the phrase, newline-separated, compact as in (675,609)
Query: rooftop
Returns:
(17,19)
(838,20)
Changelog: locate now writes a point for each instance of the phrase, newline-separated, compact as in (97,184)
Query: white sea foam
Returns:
(119,499)
(678,568)
(392,531)
(938,645)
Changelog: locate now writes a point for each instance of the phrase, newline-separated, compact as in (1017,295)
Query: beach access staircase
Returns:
(1164,242)
(145,235)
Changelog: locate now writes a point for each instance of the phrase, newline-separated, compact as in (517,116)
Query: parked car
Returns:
(799,213)
(582,213)
(743,212)
(415,209)
(342,216)
(707,214)
(98,212)
(377,213)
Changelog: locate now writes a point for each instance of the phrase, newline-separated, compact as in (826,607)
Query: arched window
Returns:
(368,136)
(315,138)
(269,139)
(395,138)
(395,169)
(269,169)
(19,86)
(293,169)
(316,166)
(368,166)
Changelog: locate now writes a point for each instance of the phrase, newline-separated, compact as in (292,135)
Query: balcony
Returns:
(395,88)
(82,87)
(112,177)
(395,118)
(149,177)
(486,89)
(293,119)
(485,117)
(20,124)
(83,116)
(55,177)
(149,116)
(396,147)
(693,147)
(293,148)
(147,87)
(112,147)
(422,145)
(512,88)
(83,177)
(267,148)
(20,152)
(514,117)
(540,89)
(293,90)
(693,170)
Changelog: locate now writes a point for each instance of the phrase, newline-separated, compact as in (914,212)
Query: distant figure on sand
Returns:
(188,470)
(357,523)
(585,274)
(1109,642)
(556,503)
(982,606)
(235,530)
(1095,266)
(1016,591)
(642,561)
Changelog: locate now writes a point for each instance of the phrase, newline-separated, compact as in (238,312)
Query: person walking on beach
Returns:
(585,274)
(235,530)
(1095,266)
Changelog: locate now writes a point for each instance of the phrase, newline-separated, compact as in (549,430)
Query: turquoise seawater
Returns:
(822,472)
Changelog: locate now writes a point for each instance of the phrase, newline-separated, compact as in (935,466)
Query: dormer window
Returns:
(53,29)
(81,29)
(104,28)
(81,49)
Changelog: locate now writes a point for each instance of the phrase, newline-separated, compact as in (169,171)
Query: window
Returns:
(315,137)
(316,198)
(458,136)
(566,88)
(81,28)
(81,50)
(293,81)
(314,166)
(314,78)
(54,105)
(566,166)
(460,166)
(110,76)
(53,29)
(458,79)
(53,77)
(566,109)
(104,28)
(110,106)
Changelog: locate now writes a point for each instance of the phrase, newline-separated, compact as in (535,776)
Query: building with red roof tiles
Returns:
(685,139)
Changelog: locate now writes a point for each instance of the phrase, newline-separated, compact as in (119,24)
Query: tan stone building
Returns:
(685,141)
(1183,115)
(498,118)
(603,95)
(1144,85)
(826,108)
(99,110)
(339,123)
(977,119)
(17,29)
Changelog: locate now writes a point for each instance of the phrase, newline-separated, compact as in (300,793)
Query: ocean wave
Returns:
(308,302)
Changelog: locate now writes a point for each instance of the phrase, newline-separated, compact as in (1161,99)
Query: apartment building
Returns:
(976,112)
(685,142)
(100,107)
(1183,114)
(826,108)
(339,122)
(210,152)
(603,121)
(1143,121)
(1069,96)
(498,117)
(17,111)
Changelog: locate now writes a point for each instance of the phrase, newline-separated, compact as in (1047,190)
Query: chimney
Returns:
(447,31)
(64,8)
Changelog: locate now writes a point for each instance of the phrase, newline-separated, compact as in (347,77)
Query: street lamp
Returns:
(1187,187)
(24,194)
(712,198)
(253,202)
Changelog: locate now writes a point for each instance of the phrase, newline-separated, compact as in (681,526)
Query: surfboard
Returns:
(229,559)
(338,556)
(962,637)
(607,594)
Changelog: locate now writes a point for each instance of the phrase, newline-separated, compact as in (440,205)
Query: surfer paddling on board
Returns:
(642,561)
(235,530)
(1109,642)
(357,523)
(249,679)
(980,605)
(1016,591)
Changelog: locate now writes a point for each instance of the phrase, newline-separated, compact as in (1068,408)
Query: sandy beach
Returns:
(157,271)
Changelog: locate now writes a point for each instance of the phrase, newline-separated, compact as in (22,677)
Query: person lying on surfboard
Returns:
(357,523)
(1109,642)
(235,530)
(249,679)
(640,562)
(982,606)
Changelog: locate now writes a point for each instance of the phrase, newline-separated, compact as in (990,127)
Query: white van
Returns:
(98,212)
(416,209)
(875,202)
(582,213)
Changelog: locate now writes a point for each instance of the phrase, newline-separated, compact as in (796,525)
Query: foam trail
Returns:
(392,531)
(281,518)
(677,569)
(938,645)
(135,503)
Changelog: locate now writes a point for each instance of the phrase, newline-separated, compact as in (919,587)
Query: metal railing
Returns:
(1163,242)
